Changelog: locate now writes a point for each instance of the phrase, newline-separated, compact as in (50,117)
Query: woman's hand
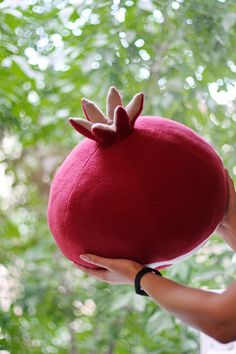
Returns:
(227,227)
(116,271)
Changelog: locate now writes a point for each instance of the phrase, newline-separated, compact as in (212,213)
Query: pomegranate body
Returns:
(154,196)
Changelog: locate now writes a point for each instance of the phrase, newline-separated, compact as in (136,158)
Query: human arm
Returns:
(227,228)
(209,312)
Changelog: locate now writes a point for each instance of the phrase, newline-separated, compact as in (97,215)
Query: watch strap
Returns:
(138,277)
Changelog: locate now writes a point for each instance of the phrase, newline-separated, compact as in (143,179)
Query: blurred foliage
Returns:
(52,53)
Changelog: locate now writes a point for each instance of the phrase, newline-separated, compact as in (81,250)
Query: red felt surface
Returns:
(152,196)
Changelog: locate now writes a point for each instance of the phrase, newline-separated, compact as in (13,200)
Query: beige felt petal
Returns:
(93,112)
(113,100)
(84,123)
(134,105)
(104,126)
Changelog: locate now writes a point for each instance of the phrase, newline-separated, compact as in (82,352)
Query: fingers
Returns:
(97,273)
(232,193)
(230,183)
(97,260)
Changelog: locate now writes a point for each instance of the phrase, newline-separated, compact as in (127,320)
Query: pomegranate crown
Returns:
(117,123)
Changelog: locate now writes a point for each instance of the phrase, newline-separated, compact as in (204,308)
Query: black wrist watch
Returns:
(138,277)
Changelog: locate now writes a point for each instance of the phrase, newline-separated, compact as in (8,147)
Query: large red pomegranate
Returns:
(147,189)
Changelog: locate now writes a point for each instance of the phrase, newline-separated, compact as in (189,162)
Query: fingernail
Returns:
(85,257)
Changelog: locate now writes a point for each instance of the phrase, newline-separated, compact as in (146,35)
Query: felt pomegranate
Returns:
(144,188)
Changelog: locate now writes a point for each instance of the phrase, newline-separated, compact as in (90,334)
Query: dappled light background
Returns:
(181,54)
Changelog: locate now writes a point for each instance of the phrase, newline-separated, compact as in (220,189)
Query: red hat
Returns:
(147,189)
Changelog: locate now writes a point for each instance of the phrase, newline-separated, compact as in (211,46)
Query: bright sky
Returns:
(222,97)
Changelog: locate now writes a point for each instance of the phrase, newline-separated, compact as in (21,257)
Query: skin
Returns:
(209,312)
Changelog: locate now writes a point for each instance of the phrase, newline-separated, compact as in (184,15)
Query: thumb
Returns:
(232,193)
(97,260)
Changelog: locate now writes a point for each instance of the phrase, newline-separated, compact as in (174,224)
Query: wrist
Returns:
(146,279)
(137,283)
(135,269)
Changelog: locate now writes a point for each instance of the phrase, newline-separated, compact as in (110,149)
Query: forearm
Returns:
(193,306)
